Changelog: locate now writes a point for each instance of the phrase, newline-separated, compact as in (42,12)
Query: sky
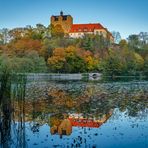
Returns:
(126,16)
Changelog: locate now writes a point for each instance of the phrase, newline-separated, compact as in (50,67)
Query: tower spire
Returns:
(61,13)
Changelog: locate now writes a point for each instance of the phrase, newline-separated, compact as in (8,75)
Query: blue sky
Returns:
(125,16)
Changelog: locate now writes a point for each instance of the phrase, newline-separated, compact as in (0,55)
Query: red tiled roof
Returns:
(85,123)
(85,27)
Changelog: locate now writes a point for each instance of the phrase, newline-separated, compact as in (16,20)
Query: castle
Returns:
(79,30)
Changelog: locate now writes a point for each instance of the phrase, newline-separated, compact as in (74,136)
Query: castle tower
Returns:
(65,21)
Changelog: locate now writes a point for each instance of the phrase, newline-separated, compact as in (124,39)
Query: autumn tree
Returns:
(74,62)
(57,31)
(24,45)
(57,60)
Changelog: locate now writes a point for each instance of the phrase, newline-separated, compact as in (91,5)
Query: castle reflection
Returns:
(60,123)
(64,127)
(41,112)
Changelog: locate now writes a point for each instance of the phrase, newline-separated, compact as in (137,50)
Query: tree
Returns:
(123,44)
(91,61)
(30,63)
(57,60)
(145,68)
(133,42)
(4,64)
(112,65)
(139,61)
(39,63)
(74,63)
(57,31)
(23,45)
(97,44)
(66,60)
(87,42)
(39,32)
(4,36)
(143,37)
(117,37)
(16,33)
(1,39)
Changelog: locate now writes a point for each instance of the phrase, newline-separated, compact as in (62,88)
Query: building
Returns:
(79,30)
(66,21)
(80,121)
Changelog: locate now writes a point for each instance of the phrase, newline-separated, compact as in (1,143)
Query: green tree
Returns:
(133,42)
(75,64)
(117,37)
(145,68)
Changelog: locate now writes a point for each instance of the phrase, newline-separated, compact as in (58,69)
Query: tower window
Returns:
(64,18)
(56,18)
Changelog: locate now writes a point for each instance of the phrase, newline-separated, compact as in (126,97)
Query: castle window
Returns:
(56,18)
(64,18)
(85,30)
(79,30)
(97,32)
(64,132)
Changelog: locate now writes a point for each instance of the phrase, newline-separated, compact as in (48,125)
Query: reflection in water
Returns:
(64,126)
(7,114)
(72,114)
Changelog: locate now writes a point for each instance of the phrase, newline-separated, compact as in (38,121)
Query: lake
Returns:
(71,113)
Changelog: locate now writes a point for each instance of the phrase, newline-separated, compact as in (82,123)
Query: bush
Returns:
(30,63)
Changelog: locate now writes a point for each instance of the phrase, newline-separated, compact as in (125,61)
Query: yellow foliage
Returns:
(58,56)
(91,62)
(70,51)
(139,59)
(55,121)
(59,52)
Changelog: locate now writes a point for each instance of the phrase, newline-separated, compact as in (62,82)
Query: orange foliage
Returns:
(25,44)
(89,58)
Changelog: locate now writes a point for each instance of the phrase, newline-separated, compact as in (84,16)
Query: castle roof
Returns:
(85,27)
(85,123)
(61,14)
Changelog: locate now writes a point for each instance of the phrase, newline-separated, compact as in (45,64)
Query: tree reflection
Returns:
(12,132)
(6,110)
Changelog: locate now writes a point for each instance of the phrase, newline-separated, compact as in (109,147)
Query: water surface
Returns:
(46,114)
